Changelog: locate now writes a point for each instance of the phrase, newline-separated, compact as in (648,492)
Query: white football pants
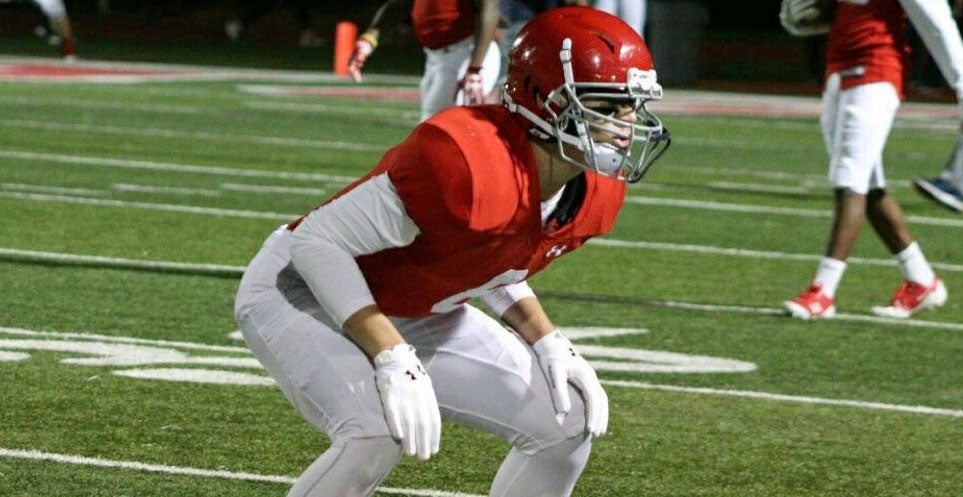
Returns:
(444,69)
(630,11)
(855,124)
(484,377)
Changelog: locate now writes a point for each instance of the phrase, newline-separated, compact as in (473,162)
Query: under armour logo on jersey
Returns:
(555,251)
(419,371)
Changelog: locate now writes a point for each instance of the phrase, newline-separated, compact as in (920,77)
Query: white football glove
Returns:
(363,47)
(409,400)
(561,365)
(471,89)
(801,18)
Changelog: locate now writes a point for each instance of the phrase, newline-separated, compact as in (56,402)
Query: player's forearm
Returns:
(528,319)
(484,30)
(371,330)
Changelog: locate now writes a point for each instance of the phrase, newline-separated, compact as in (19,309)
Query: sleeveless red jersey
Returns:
(439,23)
(867,44)
(468,180)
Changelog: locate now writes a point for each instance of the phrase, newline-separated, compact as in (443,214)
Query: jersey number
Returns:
(507,278)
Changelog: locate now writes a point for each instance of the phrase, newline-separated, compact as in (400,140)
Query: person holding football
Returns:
(462,59)
(867,65)
(359,310)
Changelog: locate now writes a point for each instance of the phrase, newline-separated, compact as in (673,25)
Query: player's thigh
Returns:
(488,378)
(52,8)
(857,133)
(321,372)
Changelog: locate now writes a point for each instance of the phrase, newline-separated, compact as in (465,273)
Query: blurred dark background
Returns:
(698,43)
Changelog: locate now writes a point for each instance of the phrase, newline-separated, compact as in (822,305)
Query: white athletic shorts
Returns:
(855,124)
(53,9)
(484,375)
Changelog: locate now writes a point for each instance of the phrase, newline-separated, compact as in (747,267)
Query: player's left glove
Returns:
(408,397)
(562,364)
(471,87)
(365,45)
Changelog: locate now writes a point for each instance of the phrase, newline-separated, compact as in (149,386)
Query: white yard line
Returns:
(165,190)
(191,135)
(751,254)
(227,270)
(35,455)
(636,200)
(954,413)
(82,160)
(186,209)
(287,190)
(101,105)
(769,209)
(23,187)
(914,409)
(120,262)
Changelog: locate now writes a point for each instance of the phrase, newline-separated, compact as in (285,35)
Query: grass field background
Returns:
(128,210)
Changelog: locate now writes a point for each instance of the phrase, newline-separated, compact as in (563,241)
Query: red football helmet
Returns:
(569,56)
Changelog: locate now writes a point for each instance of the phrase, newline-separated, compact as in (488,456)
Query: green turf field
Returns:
(129,209)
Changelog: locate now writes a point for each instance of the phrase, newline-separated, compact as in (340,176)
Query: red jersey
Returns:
(439,23)
(468,179)
(867,44)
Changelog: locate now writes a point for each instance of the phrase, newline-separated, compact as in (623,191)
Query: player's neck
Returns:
(553,171)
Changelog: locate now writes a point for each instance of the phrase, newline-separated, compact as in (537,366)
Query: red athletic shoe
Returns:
(811,304)
(911,297)
(68,50)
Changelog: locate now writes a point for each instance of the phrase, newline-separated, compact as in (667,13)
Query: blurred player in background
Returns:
(58,23)
(359,310)
(461,55)
(245,13)
(631,11)
(946,188)
(867,65)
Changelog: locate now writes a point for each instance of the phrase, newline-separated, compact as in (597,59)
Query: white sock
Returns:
(914,265)
(828,275)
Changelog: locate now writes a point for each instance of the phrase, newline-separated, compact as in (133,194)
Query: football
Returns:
(807,17)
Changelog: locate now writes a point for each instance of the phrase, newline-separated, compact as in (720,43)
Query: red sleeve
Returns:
(449,181)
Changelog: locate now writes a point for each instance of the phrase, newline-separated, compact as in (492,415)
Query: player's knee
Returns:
(568,456)
(353,466)
(375,457)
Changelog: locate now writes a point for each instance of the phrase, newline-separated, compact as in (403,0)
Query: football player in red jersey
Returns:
(359,310)
(462,59)
(867,65)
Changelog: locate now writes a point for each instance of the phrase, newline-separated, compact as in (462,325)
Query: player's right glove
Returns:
(562,364)
(470,87)
(409,400)
(363,47)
